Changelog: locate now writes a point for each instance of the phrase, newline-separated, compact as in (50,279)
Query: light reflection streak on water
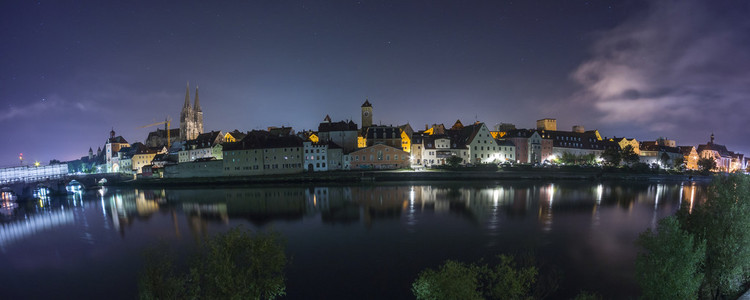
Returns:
(493,222)
(31,225)
(692,197)
(547,218)
(595,214)
(411,218)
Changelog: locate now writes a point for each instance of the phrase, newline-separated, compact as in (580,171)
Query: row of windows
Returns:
(273,150)
(266,167)
(379,157)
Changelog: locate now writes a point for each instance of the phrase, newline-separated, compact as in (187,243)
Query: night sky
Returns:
(71,71)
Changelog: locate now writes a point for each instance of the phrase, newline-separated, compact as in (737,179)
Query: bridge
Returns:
(24,188)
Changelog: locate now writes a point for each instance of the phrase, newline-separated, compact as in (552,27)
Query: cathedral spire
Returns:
(197,103)
(187,96)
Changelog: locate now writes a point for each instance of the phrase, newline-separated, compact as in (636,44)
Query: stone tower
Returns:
(198,113)
(191,118)
(366,114)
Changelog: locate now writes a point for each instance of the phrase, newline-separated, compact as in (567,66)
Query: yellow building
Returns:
(624,142)
(405,141)
(143,157)
(231,137)
(361,141)
(690,157)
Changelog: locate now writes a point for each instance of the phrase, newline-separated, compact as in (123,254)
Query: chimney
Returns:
(578,129)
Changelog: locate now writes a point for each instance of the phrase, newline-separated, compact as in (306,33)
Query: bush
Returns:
(723,221)
(668,268)
(234,265)
(456,280)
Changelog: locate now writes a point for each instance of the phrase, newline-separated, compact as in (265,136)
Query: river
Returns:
(343,241)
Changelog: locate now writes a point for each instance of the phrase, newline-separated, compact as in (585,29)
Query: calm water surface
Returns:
(363,241)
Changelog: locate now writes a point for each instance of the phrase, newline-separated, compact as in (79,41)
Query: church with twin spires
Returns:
(191,118)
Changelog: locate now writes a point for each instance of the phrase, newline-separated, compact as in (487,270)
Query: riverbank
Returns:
(407,175)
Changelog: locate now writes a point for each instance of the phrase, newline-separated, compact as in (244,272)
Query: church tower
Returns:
(366,114)
(186,117)
(198,114)
(191,118)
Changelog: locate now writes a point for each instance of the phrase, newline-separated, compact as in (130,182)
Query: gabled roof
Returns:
(237,135)
(686,150)
(367,103)
(721,149)
(257,139)
(206,140)
(337,126)
(280,131)
(654,146)
(407,129)
(383,132)
(457,125)
(117,140)
(571,139)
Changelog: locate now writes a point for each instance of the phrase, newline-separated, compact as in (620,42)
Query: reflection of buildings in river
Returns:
(334,204)
(380,202)
(263,205)
(198,215)
(126,205)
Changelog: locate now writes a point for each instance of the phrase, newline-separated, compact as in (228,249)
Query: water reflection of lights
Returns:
(599,192)
(551,191)
(692,197)
(411,217)
(659,191)
(33,224)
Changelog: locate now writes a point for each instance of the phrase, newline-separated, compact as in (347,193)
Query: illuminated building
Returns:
(206,145)
(342,133)
(578,142)
(651,152)
(529,145)
(113,145)
(231,137)
(719,153)
(624,142)
(191,118)
(546,124)
(261,153)
(379,156)
(143,157)
(324,157)
(32,173)
(366,114)
(690,157)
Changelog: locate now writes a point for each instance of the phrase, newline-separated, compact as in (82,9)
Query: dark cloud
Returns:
(680,68)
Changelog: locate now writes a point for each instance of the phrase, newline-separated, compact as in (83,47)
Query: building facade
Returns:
(378,157)
(191,118)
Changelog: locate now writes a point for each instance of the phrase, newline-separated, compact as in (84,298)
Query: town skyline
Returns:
(629,69)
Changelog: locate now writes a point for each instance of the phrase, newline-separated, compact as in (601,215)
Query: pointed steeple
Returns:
(187,96)
(327,119)
(197,103)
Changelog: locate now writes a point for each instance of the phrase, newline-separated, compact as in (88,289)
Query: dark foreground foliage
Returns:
(238,264)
